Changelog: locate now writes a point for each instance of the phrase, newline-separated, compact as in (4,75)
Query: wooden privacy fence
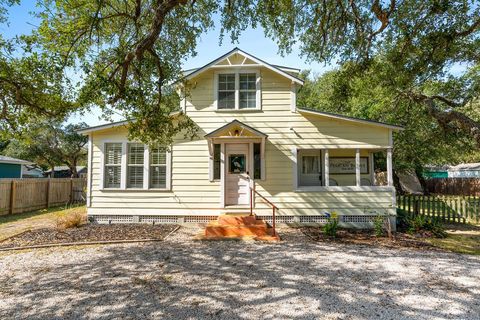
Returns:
(444,208)
(454,186)
(22,195)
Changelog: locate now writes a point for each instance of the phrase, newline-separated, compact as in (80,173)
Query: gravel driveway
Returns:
(183,279)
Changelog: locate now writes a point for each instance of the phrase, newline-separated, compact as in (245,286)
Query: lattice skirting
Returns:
(353,221)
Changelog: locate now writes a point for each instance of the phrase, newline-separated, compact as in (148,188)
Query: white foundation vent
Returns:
(158,219)
(199,219)
(358,219)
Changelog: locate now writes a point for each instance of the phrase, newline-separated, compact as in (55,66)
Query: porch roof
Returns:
(229,129)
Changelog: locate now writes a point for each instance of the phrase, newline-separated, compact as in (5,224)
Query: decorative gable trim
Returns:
(257,61)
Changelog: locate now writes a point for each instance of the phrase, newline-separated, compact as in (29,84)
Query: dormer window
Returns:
(237,90)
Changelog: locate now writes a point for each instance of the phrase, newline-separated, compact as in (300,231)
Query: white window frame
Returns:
(124,167)
(135,165)
(258,97)
(168,162)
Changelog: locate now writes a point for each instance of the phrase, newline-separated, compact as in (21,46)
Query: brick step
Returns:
(238,220)
(217,230)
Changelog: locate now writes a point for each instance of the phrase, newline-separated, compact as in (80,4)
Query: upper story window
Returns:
(237,91)
(226,91)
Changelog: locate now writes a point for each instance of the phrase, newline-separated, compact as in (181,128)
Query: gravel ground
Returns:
(184,279)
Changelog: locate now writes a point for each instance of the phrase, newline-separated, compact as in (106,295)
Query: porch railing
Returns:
(274,207)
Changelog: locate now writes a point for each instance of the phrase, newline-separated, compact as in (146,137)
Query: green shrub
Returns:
(331,228)
(379,226)
(419,223)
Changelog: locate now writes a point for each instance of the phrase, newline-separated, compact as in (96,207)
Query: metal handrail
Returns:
(274,207)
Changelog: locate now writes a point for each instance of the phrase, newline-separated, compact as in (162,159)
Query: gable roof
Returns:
(234,123)
(278,69)
(348,118)
(10,160)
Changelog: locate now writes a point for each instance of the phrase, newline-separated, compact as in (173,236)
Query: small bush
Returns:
(72,220)
(379,226)
(418,223)
(331,228)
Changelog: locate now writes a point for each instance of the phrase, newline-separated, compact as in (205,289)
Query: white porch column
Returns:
(389,168)
(326,162)
(357,168)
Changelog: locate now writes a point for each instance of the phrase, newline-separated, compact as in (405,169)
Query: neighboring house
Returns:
(463,170)
(65,172)
(32,171)
(11,167)
(308,163)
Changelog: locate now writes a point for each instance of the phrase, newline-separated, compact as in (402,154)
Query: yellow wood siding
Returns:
(193,193)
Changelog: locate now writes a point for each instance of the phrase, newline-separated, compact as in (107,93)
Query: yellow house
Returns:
(251,135)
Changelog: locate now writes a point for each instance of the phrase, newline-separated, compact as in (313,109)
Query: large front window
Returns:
(240,90)
(134,166)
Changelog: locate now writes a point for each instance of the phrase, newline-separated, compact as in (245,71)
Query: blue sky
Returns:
(252,41)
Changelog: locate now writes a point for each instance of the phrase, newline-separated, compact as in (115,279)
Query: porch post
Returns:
(327,168)
(389,168)
(357,167)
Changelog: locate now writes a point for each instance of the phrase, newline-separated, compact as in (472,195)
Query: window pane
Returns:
(236,163)
(226,100)
(158,177)
(158,156)
(112,177)
(248,81)
(216,161)
(113,153)
(226,81)
(310,164)
(257,161)
(135,177)
(135,153)
(248,100)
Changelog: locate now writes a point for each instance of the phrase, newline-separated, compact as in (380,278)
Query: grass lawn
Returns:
(17,223)
(461,239)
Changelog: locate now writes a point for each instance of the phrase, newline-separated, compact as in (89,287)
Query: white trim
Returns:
(146,167)
(123,172)
(371,159)
(262,160)
(256,60)
(389,168)
(168,170)
(295,168)
(357,168)
(251,172)
(326,168)
(211,159)
(293,97)
(340,117)
(222,175)
(344,188)
(89,170)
